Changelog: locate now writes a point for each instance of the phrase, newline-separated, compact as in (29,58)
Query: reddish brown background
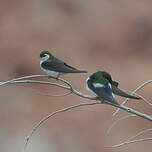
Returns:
(115,36)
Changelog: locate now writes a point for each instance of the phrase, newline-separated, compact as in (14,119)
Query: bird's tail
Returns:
(83,71)
(121,93)
(79,71)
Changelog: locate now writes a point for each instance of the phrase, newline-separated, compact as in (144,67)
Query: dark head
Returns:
(107,76)
(100,77)
(44,54)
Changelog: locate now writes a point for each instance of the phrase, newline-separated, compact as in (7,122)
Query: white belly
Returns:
(52,73)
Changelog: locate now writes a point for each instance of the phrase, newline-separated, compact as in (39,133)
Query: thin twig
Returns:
(22,78)
(117,121)
(40,82)
(138,88)
(34,76)
(145,116)
(52,114)
(139,133)
(69,87)
(66,82)
(84,104)
(130,110)
(144,99)
(132,139)
(126,117)
(129,142)
(55,84)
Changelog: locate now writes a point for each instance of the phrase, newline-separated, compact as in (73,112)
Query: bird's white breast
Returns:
(52,73)
(98,85)
(89,88)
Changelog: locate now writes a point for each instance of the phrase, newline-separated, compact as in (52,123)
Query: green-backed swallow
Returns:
(55,67)
(102,86)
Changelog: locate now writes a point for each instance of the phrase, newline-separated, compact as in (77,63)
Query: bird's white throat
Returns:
(45,58)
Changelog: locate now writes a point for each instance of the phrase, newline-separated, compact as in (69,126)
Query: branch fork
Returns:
(68,86)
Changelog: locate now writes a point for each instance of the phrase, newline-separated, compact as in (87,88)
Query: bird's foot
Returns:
(49,77)
(57,78)
(102,101)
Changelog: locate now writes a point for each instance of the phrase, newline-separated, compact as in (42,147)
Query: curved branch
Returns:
(117,121)
(139,133)
(68,86)
(137,89)
(126,117)
(130,110)
(58,85)
(129,142)
(54,113)
(22,78)
(144,99)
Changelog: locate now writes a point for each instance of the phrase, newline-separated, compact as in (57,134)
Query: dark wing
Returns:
(121,93)
(74,69)
(104,93)
(60,67)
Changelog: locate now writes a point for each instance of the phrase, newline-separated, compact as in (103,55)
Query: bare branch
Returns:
(126,117)
(144,99)
(68,86)
(137,89)
(84,104)
(145,116)
(130,110)
(140,133)
(54,113)
(66,82)
(129,142)
(40,82)
(117,121)
(21,80)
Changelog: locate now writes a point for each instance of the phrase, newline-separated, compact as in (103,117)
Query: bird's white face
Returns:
(45,57)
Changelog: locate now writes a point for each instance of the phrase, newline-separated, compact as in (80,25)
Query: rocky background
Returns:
(115,36)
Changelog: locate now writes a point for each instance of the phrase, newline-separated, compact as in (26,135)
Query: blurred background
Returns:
(115,36)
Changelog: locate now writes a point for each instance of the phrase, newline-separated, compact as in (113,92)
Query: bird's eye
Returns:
(43,55)
(93,77)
